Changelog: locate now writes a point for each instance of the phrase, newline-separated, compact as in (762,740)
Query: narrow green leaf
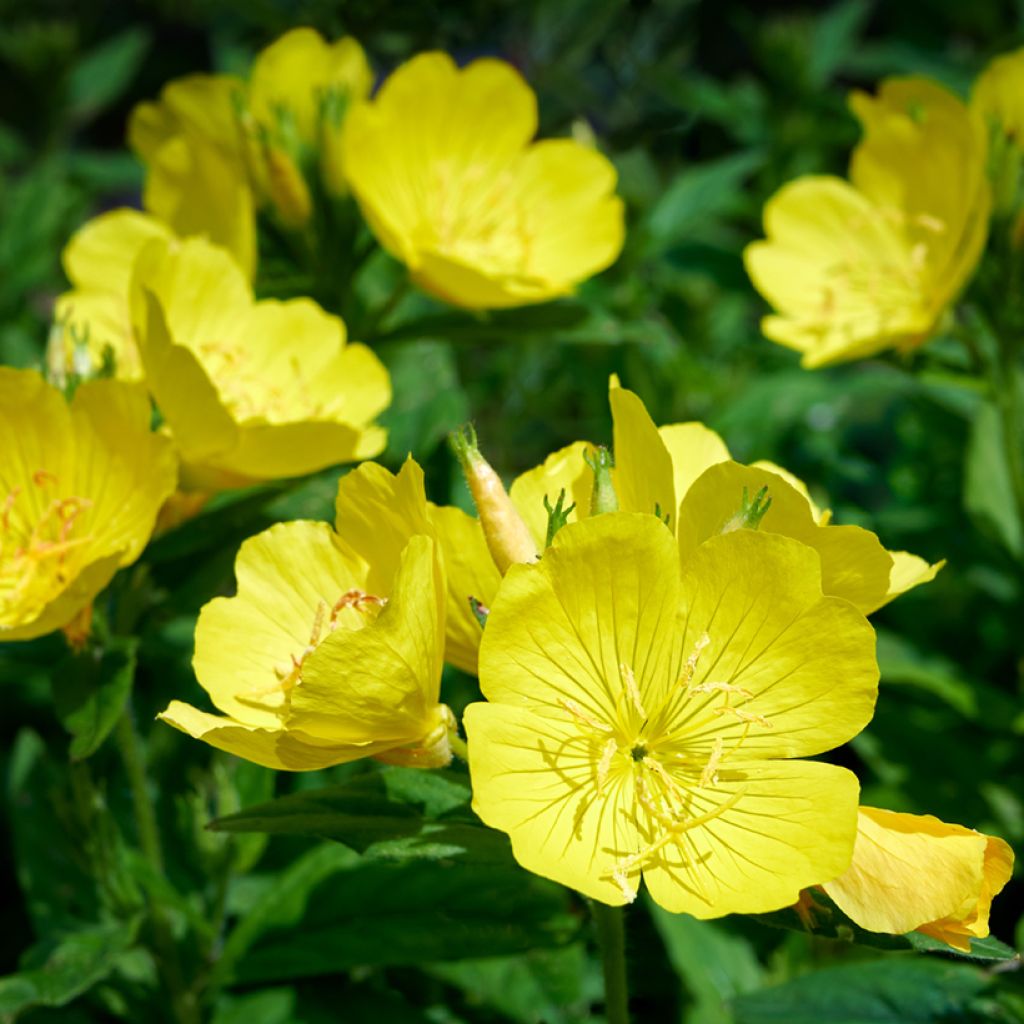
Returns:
(66,968)
(890,991)
(89,693)
(988,490)
(836,36)
(105,73)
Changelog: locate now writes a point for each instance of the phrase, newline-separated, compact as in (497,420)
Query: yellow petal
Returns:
(381,684)
(533,777)
(838,272)
(294,72)
(562,470)
(471,573)
(271,747)
(376,512)
(245,643)
(643,474)
(693,448)
(802,665)
(605,595)
(854,565)
(997,91)
(793,825)
(913,871)
(909,571)
(101,253)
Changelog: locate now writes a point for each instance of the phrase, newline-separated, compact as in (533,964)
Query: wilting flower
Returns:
(243,399)
(330,651)
(92,329)
(914,872)
(217,148)
(643,721)
(80,487)
(856,267)
(683,474)
(482,216)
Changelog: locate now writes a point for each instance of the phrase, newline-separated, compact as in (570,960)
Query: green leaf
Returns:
(104,74)
(829,922)
(333,909)
(66,968)
(89,693)
(988,489)
(541,985)
(428,399)
(713,964)
(890,991)
(698,195)
(836,36)
(903,664)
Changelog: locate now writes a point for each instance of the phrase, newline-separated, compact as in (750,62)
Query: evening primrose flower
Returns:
(80,487)
(217,148)
(196,174)
(250,390)
(914,872)
(852,268)
(330,651)
(92,322)
(683,474)
(482,216)
(647,722)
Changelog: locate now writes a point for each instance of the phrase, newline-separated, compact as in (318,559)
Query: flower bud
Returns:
(287,187)
(508,538)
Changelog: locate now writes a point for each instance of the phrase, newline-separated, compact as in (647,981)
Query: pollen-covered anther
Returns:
(631,688)
(581,716)
(721,688)
(621,878)
(709,776)
(357,599)
(605,764)
(744,716)
(691,662)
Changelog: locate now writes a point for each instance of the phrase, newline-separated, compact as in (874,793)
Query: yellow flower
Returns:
(216,147)
(914,872)
(998,93)
(682,471)
(251,390)
(331,649)
(856,267)
(643,721)
(93,320)
(196,174)
(80,487)
(483,217)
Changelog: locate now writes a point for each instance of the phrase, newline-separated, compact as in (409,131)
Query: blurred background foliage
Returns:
(706,107)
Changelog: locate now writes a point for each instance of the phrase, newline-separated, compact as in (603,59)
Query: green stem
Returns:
(182,1001)
(1007,391)
(458,745)
(611,940)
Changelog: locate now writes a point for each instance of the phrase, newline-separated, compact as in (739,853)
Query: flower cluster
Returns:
(664,638)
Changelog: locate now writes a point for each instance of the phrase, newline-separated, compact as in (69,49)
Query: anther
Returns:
(629,681)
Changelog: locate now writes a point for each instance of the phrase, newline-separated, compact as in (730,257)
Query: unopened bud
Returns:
(287,188)
(508,538)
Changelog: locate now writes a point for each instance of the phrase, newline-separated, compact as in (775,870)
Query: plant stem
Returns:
(182,1001)
(611,940)
(1007,389)
(458,745)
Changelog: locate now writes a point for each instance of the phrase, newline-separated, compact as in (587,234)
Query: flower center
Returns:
(41,537)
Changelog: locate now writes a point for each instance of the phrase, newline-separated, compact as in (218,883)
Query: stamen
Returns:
(632,689)
(580,715)
(721,688)
(691,661)
(744,716)
(709,777)
(605,764)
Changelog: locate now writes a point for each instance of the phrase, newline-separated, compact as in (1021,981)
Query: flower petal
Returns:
(909,571)
(854,565)
(643,475)
(562,470)
(381,684)
(792,825)
(756,621)
(605,595)
(909,870)
(471,573)
(534,777)
(693,448)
